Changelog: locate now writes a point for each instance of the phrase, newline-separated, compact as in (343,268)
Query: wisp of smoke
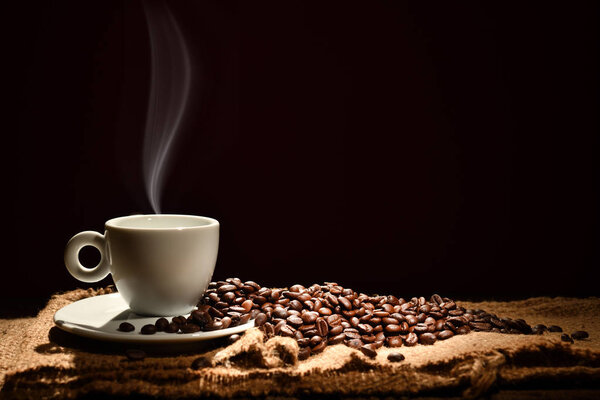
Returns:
(169,91)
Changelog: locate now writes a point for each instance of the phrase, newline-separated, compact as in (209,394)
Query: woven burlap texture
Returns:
(39,361)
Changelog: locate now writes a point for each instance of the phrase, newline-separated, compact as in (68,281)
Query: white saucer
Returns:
(99,317)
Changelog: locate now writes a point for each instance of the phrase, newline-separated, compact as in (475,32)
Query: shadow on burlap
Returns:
(40,361)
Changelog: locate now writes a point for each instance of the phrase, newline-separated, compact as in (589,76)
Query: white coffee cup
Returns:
(161,264)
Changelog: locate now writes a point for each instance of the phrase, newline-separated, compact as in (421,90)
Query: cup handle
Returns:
(87,238)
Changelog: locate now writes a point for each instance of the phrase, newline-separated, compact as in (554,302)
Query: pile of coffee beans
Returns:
(328,314)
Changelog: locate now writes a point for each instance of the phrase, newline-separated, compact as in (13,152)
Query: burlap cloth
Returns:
(40,361)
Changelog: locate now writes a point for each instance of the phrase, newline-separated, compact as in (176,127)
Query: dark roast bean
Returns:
(566,338)
(336,330)
(578,335)
(149,329)
(310,317)
(190,328)
(325,311)
(395,357)
(427,338)
(201,362)
(280,312)
(369,350)
(243,320)
(135,354)
(411,339)
(482,326)
(303,342)
(445,334)
(354,343)
(126,327)
(260,319)
(315,340)
(226,288)
(173,327)
(393,328)
(336,339)
(294,320)
(322,327)
(555,328)
(345,303)
(161,324)
(303,353)
(201,317)
(319,348)
(226,321)
(394,341)
(233,338)
(215,326)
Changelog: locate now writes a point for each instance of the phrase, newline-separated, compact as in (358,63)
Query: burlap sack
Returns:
(39,361)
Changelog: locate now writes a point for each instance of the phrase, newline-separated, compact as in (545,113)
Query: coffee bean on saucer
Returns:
(149,329)
(201,362)
(578,335)
(566,338)
(173,327)
(126,327)
(189,328)
(161,324)
(555,328)
(395,357)
(135,354)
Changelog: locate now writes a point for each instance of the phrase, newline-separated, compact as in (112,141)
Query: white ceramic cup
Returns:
(161,264)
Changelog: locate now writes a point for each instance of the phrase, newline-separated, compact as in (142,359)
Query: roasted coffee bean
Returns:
(322,327)
(427,338)
(566,338)
(215,326)
(395,357)
(243,320)
(345,303)
(578,335)
(173,327)
(336,339)
(325,311)
(369,350)
(411,339)
(280,312)
(445,334)
(294,320)
(201,362)
(319,348)
(354,343)
(226,321)
(135,354)
(394,341)
(161,324)
(315,340)
(126,327)
(481,326)
(336,330)
(303,353)
(226,288)
(201,317)
(149,329)
(190,328)
(260,319)
(555,328)
(310,317)
(393,328)
(233,338)
(287,330)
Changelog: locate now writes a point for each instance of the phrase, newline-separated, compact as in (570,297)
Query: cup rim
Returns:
(208,222)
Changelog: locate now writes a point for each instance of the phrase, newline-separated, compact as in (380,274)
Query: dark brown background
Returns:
(393,147)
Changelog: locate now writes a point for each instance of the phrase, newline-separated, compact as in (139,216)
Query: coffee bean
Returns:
(319,348)
(566,338)
(161,324)
(445,334)
(294,320)
(555,328)
(126,327)
(201,362)
(303,353)
(233,338)
(190,328)
(394,341)
(325,311)
(578,335)
(354,343)
(173,327)
(244,319)
(411,339)
(427,338)
(260,319)
(202,318)
(345,303)
(369,350)
(336,339)
(226,321)
(310,317)
(322,327)
(395,357)
(135,354)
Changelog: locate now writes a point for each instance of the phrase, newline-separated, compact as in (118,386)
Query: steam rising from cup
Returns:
(169,92)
